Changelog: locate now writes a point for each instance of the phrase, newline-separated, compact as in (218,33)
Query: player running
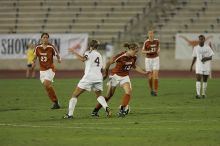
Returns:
(45,53)
(120,76)
(92,79)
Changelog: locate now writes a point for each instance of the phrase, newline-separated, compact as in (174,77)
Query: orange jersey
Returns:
(123,64)
(153,47)
(45,56)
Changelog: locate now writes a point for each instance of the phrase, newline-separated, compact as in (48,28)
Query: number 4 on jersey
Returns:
(97,61)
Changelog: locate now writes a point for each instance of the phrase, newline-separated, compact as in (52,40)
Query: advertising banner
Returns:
(14,46)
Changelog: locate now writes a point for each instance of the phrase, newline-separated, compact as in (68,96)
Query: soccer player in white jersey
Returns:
(92,79)
(202,55)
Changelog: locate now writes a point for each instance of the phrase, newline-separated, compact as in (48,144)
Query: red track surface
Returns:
(20,74)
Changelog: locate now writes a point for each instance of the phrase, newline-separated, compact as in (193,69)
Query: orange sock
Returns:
(156,85)
(51,93)
(150,82)
(126,99)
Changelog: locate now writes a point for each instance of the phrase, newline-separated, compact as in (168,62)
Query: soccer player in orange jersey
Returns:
(45,52)
(151,49)
(120,75)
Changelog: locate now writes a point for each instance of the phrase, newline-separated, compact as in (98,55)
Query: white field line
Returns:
(110,123)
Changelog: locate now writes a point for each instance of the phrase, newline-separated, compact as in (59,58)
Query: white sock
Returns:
(198,87)
(125,108)
(72,104)
(204,86)
(102,101)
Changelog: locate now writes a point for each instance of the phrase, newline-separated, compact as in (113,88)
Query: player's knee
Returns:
(150,75)
(128,92)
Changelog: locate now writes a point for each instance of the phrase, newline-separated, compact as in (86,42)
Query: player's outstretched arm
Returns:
(140,70)
(82,58)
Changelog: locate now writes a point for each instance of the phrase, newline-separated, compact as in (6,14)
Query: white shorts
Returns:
(152,63)
(95,86)
(202,69)
(47,75)
(115,80)
(199,71)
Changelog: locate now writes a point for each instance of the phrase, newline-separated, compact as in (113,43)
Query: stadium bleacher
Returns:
(103,19)
(110,20)
(187,16)
(113,21)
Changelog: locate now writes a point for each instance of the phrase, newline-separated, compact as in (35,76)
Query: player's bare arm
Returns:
(158,51)
(194,60)
(140,70)
(57,55)
(58,58)
(144,51)
(204,59)
(106,70)
(81,58)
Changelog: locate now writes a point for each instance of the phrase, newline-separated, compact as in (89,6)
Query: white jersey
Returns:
(201,52)
(93,66)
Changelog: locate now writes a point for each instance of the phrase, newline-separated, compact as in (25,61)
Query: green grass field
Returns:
(174,118)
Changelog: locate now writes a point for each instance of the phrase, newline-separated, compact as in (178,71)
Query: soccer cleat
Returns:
(126,109)
(203,96)
(121,113)
(108,112)
(55,106)
(67,117)
(94,114)
(197,97)
(153,93)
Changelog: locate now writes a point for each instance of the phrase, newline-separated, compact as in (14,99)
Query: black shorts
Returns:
(29,65)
